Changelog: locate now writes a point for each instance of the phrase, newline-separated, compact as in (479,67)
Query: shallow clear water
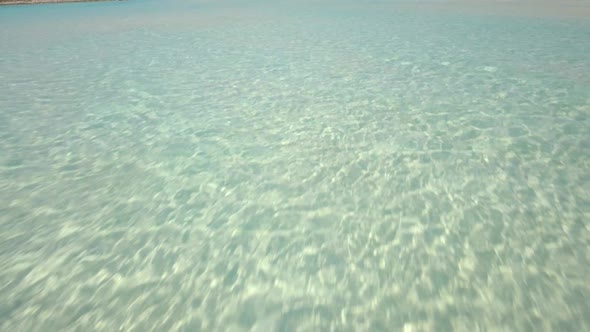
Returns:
(186,167)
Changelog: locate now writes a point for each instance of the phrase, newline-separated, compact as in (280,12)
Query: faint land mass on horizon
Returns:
(30,2)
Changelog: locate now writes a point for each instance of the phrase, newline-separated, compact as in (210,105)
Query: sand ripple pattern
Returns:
(319,171)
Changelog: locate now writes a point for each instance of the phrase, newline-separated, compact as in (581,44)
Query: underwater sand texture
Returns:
(292,169)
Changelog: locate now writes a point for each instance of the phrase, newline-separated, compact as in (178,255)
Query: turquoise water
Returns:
(196,167)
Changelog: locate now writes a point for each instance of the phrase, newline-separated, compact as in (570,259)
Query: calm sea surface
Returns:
(176,166)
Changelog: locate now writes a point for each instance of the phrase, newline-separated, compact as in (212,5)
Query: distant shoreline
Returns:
(36,2)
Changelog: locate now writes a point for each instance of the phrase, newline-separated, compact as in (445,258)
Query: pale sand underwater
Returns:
(186,166)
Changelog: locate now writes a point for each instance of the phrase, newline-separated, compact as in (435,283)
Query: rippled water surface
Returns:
(196,167)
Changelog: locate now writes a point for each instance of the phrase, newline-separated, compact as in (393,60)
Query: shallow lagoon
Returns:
(186,166)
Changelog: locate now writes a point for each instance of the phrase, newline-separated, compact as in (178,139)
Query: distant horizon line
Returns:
(38,2)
